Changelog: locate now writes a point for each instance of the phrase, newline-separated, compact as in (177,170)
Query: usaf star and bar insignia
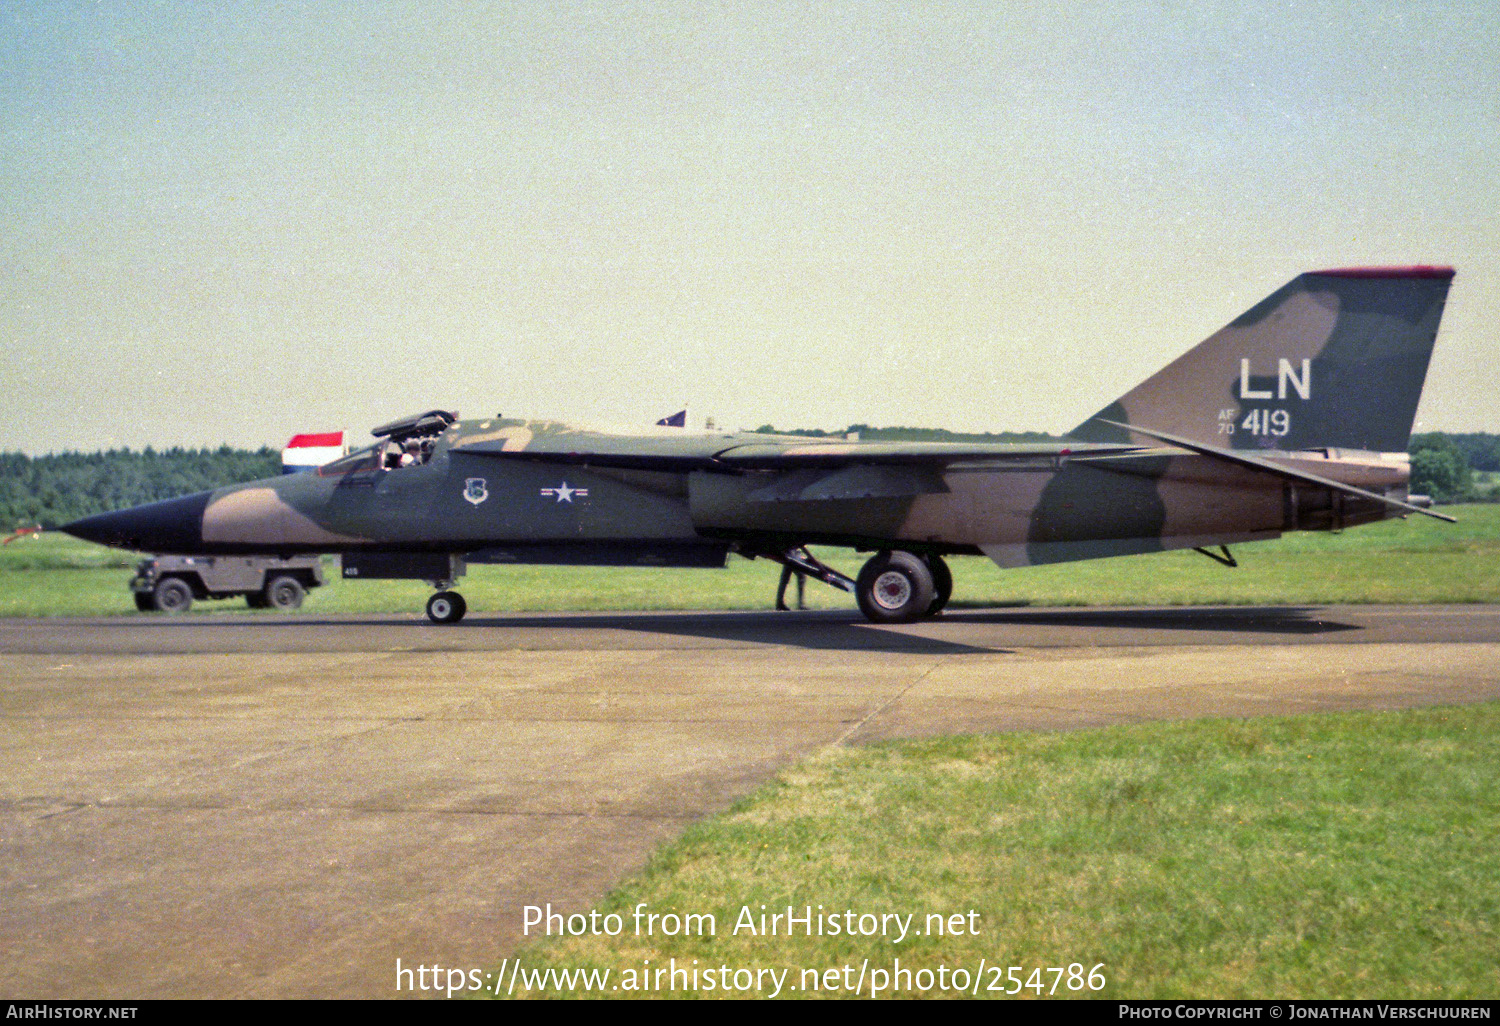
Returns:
(476,491)
(565,494)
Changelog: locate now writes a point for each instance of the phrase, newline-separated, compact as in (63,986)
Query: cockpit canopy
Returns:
(433,422)
(408,442)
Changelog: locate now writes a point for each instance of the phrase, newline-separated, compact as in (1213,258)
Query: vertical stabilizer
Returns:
(1334,359)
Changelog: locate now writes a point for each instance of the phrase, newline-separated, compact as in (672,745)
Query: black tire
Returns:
(256,600)
(446,607)
(284,593)
(942,584)
(145,601)
(894,587)
(172,595)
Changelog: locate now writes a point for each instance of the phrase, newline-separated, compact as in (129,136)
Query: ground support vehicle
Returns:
(169,584)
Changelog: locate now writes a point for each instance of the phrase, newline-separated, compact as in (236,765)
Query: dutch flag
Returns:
(309,452)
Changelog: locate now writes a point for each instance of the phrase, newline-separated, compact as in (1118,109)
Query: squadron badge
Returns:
(475,491)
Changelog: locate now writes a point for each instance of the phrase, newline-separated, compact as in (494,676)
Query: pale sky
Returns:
(233,221)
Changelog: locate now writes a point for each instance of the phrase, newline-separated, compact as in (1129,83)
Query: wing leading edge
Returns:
(711,454)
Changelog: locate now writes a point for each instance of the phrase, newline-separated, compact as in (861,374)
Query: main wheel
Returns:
(942,584)
(284,593)
(173,595)
(894,587)
(446,607)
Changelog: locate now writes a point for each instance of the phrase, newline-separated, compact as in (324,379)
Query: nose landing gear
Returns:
(446,607)
(440,569)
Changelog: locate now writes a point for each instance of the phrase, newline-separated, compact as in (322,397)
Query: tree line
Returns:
(1443,466)
(53,490)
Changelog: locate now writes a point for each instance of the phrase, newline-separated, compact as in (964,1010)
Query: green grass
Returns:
(1347,855)
(1416,560)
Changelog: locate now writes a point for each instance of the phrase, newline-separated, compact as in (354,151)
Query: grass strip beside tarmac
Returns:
(1344,855)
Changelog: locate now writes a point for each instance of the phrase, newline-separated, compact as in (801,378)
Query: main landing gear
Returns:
(893,587)
(899,587)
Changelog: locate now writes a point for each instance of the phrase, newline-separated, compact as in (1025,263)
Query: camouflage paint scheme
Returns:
(1296,416)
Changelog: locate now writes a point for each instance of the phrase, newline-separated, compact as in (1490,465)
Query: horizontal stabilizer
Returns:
(1270,467)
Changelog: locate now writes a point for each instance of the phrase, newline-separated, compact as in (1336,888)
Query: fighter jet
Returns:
(1294,417)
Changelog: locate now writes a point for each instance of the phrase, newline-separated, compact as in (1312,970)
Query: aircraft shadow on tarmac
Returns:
(821,630)
(957,632)
(1237,619)
(846,631)
(811,629)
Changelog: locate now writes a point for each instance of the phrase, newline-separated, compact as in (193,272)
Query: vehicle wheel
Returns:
(284,593)
(942,584)
(145,601)
(172,595)
(256,600)
(446,607)
(894,587)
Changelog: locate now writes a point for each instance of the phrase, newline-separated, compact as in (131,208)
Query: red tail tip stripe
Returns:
(1416,271)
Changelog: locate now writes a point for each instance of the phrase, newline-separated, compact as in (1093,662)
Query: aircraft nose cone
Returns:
(173,526)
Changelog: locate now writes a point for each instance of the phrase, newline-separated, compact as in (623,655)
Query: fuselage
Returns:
(540,491)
